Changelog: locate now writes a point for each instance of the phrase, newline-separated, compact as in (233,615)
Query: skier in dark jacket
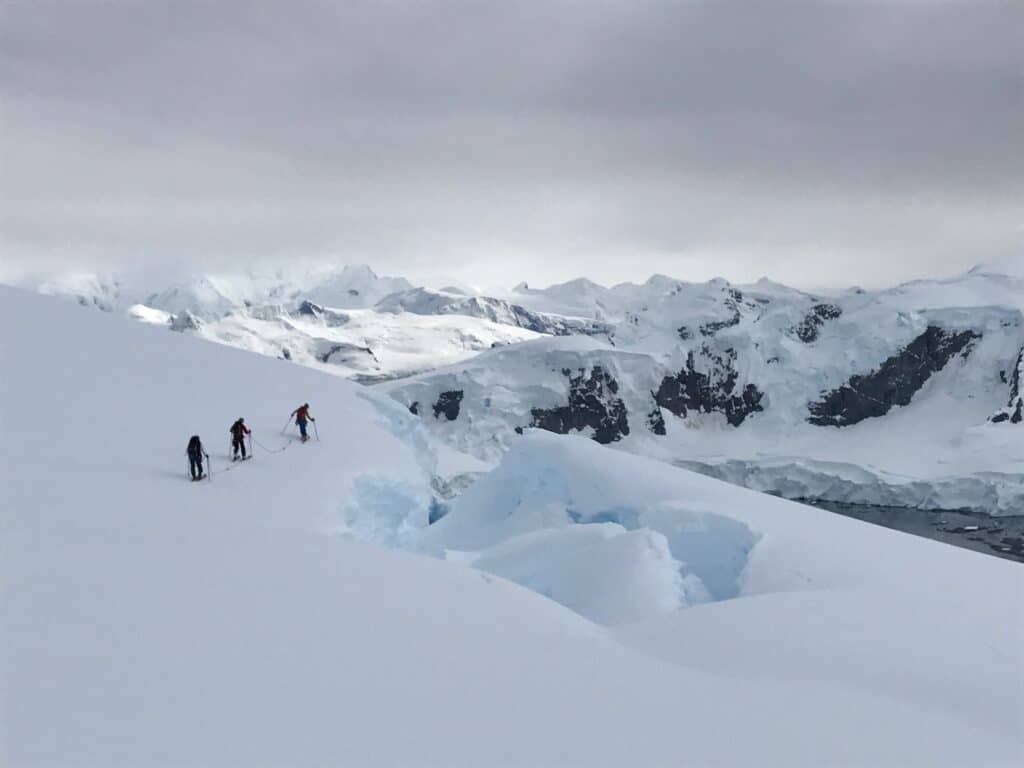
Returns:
(301,415)
(195,457)
(238,432)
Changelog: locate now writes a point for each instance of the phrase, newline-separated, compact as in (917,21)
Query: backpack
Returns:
(194,446)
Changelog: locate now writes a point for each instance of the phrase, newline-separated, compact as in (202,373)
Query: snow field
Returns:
(147,620)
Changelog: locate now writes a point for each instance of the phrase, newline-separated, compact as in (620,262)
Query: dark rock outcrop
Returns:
(655,420)
(185,321)
(713,390)
(593,402)
(329,317)
(342,354)
(1014,410)
(710,329)
(733,301)
(807,330)
(449,404)
(894,382)
(556,325)
(414,407)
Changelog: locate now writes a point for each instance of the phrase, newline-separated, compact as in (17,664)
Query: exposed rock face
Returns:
(807,330)
(185,321)
(448,403)
(894,382)
(414,407)
(655,421)
(1014,410)
(342,353)
(593,403)
(554,325)
(710,329)
(713,390)
(733,302)
(329,317)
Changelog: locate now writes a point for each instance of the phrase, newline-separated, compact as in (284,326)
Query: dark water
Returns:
(999,536)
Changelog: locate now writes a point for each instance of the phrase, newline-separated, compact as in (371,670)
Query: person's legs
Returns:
(235,443)
(241,442)
(302,428)
(195,465)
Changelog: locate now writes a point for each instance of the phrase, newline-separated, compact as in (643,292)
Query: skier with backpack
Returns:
(238,432)
(301,415)
(195,454)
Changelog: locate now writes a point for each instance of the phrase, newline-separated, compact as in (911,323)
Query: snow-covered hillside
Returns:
(354,343)
(667,617)
(348,321)
(903,397)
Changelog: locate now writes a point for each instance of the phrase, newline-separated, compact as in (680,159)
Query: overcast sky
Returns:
(818,143)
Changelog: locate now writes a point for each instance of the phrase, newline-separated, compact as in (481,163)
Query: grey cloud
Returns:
(851,141)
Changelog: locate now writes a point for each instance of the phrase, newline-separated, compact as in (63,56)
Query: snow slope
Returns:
(146,620)
(359,343)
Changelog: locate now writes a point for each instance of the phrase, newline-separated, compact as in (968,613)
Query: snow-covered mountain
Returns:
(349,321)
(323,602)
(354,287)
(908,397)
(892,397)
(421,301)
(358,343)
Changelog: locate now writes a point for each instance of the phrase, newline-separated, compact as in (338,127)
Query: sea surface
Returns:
(1001,536)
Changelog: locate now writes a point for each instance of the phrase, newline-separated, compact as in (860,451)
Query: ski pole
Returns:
(251,454)
(209,468)
(316,431)
(284,429)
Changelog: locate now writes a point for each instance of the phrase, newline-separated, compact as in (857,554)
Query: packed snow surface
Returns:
(667,618)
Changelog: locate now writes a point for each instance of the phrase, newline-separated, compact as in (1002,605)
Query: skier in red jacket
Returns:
(301,415)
